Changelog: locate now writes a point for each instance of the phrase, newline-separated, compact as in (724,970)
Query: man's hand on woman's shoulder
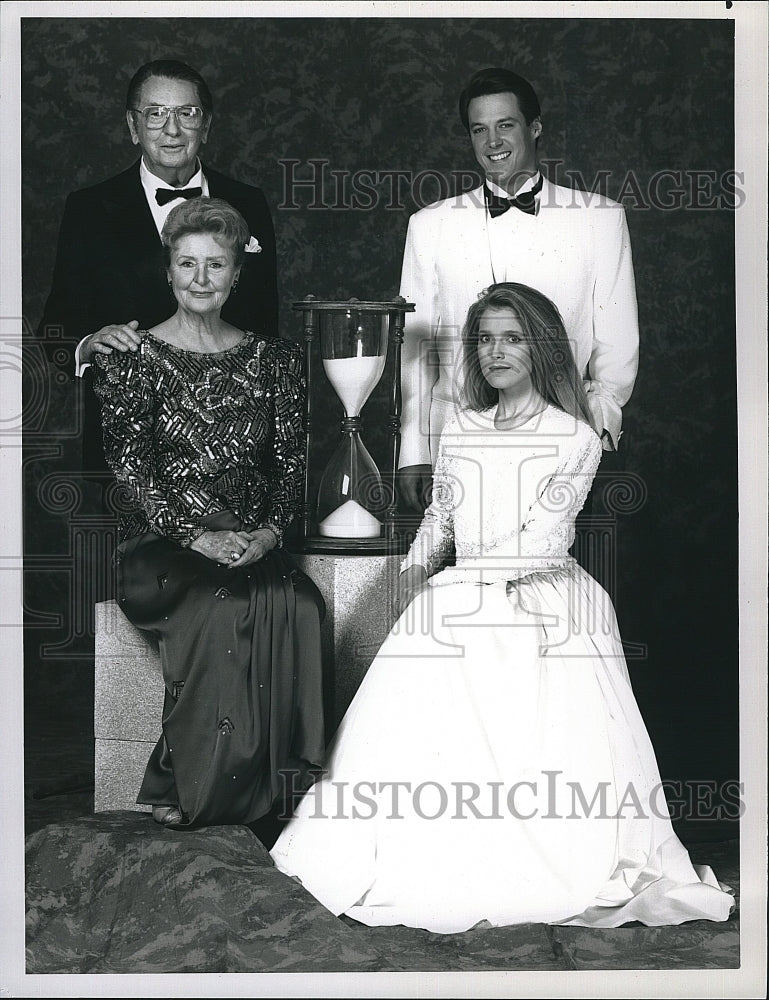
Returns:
(116,336)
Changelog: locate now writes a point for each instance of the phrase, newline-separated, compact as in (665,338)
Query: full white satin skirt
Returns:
(494,766)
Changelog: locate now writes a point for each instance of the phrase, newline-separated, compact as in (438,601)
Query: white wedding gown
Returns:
(493,764)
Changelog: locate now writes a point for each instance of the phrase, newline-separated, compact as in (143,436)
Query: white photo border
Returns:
(750,20)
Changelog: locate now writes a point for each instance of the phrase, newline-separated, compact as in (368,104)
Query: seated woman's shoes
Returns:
(170,816)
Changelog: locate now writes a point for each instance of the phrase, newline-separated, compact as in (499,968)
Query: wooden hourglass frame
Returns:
(355,511)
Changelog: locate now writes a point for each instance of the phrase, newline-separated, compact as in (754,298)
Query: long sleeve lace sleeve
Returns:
(127,398)
(434,540)
(285,468)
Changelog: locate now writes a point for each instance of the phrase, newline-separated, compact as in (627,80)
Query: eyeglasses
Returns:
(156,115)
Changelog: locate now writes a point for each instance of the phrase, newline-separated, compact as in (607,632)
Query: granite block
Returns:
(358,592)
(119,767)
(128,697)
(116,636)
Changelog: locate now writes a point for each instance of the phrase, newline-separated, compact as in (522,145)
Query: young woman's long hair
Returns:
(553,372)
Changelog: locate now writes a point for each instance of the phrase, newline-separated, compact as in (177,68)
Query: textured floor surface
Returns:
(114,892)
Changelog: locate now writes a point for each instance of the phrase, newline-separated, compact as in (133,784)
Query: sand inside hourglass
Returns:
(353,379)
(351,520)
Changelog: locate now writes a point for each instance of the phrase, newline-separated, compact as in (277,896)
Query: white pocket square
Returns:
(253,245)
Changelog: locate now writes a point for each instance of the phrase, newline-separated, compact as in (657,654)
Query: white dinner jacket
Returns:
(576,251)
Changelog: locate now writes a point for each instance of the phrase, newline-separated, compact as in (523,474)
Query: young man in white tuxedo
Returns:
(572,246)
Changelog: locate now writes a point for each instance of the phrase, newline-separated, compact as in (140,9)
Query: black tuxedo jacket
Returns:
(109,269)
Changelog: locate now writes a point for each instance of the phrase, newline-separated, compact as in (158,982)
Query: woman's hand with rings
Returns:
(260,541)
(224,547)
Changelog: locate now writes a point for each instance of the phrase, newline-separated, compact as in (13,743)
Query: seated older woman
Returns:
(203,429)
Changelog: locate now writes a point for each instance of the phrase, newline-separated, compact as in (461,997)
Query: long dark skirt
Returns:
(241,660)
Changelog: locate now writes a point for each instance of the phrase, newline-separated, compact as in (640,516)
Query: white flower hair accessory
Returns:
(253,245)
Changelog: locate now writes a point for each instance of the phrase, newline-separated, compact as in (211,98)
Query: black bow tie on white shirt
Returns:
(526,201)
(164,195)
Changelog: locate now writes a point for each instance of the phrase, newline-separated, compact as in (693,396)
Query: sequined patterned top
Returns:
(190,434)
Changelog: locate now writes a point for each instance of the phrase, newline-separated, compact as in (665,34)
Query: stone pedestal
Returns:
(358,592)
(128,701)
(128,706)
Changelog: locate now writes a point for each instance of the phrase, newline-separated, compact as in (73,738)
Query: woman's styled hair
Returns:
(213,216)
(554,374)
(499,81)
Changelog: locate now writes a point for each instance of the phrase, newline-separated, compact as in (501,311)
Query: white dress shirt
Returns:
(509,229)
(575,250)
(527,185)
(152,183)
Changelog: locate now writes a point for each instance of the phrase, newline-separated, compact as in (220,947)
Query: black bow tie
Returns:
(526,202)
(164,195)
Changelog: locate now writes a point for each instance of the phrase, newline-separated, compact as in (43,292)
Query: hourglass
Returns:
(355,510)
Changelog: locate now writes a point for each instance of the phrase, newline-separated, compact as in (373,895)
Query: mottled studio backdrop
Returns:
(634,99)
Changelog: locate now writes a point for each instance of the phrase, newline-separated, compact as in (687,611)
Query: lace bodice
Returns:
(505,501)
(189,434)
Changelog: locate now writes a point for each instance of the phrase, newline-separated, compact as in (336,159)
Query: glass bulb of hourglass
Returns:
(351,494)
(354,379)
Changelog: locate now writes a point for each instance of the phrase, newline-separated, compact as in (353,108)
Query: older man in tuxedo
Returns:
(109,282)
(518,226)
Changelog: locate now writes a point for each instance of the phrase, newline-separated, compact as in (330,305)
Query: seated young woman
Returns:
(494,765)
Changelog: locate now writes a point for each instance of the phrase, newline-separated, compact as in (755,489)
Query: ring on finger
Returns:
(234,555)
